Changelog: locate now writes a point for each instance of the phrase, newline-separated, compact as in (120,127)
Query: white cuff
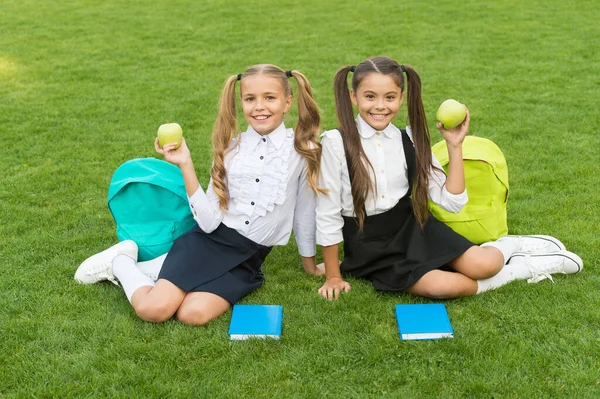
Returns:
(453,202)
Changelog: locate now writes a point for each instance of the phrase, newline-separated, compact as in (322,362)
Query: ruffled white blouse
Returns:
(386,153)
(268,190)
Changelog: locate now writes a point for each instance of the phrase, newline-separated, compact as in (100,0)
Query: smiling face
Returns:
(378,99)
(264,102)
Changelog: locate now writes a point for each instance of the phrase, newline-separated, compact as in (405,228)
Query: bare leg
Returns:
(199,308)
(159,303)
(439,284)
(479,262)
(475,264)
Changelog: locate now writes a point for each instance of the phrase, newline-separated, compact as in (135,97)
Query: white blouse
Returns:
(268,191)
(386,153)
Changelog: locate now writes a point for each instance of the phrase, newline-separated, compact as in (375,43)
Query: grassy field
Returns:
(84,86)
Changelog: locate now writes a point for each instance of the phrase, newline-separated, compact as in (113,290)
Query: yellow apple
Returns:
(170,133)
(451,113)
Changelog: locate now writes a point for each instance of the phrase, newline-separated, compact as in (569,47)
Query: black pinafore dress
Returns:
(392,251)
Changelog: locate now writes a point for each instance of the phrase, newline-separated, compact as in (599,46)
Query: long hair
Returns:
(305,133)
(358,164)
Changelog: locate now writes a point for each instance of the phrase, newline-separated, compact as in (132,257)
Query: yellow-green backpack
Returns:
(486,178)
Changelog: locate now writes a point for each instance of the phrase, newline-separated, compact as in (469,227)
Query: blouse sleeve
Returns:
(438,192)
(329,206)
(304,216)
(205,208)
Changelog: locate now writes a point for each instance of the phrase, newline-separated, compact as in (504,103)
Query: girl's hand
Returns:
(332,288)
(177,156)
(455,137)
(315,270)
(311,267)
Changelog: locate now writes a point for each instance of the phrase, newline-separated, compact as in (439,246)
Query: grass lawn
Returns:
(84,86)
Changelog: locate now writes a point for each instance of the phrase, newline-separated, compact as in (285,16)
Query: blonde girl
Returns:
(263,185)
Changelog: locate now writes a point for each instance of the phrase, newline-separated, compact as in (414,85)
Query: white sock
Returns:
(130,277)
(510,272)
(506,245)
(151,268)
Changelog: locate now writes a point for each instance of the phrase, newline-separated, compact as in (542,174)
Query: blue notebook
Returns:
(255,321)
(423,321)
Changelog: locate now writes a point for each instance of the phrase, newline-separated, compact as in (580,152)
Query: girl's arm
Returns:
(329,213)
(455,183)
(449,191)
(204,206)
(305,225)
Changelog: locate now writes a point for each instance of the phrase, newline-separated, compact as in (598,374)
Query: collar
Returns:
(276,137)
(366,131)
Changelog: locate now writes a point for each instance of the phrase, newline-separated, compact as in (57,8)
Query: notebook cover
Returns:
(423,321)
(256,321)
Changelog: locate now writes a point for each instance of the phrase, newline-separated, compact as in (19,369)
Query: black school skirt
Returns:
(393,252)
(223,262)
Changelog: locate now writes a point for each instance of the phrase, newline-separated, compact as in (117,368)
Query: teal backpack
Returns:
(148,201)
(483,218)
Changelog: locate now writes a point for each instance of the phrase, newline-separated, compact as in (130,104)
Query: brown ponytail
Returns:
(422,143)
(358,162)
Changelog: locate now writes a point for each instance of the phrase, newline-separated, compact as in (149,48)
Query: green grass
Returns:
(84,86)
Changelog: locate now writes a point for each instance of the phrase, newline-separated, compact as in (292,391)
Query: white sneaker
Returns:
(99,267)
(542,266)
(536,244)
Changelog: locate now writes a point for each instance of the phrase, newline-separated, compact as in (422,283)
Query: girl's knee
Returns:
(486,268)
(154,312)
(195,315)
(479,263)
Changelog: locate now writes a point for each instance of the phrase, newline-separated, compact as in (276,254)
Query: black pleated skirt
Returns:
(393,252)
(223,262)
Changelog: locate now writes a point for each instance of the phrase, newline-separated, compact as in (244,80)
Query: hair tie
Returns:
(402,68)
(288,74)
(239,77)
(352,68)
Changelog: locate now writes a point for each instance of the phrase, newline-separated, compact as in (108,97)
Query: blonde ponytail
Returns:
(307,130)
(225,130)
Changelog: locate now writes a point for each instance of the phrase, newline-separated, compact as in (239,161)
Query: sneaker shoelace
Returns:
(538,272)
(102,271)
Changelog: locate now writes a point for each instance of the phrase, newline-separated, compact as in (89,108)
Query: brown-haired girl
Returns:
(379,179)
(263,184)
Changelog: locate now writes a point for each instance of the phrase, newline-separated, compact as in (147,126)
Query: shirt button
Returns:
(382,195)
(247,222)
(264,139)
(261,157)
(381,170)
(378,145)
(257,180)
(252,203)
(379,133)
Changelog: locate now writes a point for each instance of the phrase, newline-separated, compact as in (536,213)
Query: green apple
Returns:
(451,113)
(170,133)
